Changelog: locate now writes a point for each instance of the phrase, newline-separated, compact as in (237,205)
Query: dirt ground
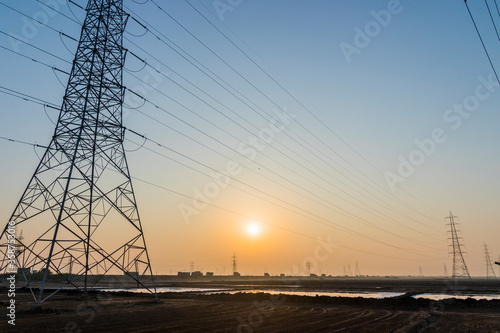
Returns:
(127,312)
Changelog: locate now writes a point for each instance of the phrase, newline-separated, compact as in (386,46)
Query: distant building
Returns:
(266,274)
(183,274)
(209,274)
(236,274)
(197,274)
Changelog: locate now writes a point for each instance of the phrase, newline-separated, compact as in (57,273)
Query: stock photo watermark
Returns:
(11,272)
(454,118)
(223,6)
(250,149)
(363,36)
(31,27)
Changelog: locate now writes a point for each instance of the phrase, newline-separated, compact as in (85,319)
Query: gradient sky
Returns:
(322,175)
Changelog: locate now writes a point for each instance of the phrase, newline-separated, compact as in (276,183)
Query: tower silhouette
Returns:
(349,272)
(79,210)
(459,265)
(356,271)
(490,272)
(235,264)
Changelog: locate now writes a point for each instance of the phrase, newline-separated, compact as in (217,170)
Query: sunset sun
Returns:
(253,229)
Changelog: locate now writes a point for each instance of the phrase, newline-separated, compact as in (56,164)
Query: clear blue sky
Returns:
(401,81)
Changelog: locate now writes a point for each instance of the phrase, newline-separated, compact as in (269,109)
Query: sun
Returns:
(253,229)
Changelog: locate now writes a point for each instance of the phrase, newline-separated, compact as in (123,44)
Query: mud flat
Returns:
(70,311)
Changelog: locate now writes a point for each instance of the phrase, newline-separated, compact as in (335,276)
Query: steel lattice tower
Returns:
(79,213)
(459,265)
(490,272)
(235,265)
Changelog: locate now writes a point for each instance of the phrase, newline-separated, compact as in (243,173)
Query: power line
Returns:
(364,220)
(246,216)
(311,113)
(310,149)
(342,210)
(481,39)
(57,11)
(344,192)
(35,47)
(253,187)
(55,30)
(492,20)
(28,98)
(38,21)
(288,168)
(34,60)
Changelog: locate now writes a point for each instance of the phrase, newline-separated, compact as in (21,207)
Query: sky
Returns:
(328,132)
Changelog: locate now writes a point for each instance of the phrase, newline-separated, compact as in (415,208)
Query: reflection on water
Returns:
(169,290)
(267,291)
(368,294)
(323,293)
(438,297)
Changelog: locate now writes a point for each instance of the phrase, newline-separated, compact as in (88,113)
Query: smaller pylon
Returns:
(356,271)
(349,272)
(490,272)
(459,265)
(420,272)
(445,272)
(235,265)
(498,263)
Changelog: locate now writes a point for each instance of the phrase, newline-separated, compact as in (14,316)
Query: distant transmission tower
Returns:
(445,272)
(349,272)
(490,272)
(79,209)
(459,265)
(498,263)
(356,271)
(235,264)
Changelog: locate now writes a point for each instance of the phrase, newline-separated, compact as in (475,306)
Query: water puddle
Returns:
(439,297)
(378,295)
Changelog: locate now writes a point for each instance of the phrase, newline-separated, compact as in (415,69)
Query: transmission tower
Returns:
(235,265)
(349,272)
(356,270)
(490,272)
(459,265)
(308,267)
(498,263)
(79,208)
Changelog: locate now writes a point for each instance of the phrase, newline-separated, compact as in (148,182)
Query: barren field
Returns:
(183,312)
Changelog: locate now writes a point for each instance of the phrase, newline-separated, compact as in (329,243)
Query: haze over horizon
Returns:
(338,132)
